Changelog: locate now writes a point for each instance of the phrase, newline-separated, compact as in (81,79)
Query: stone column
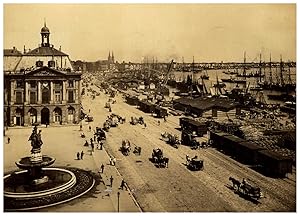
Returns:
(79,91)
(12,92)
(64,98)
(51,92)
(39,93)
(26,89)
(76,91)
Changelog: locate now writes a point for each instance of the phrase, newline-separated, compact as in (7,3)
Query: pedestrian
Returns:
(80,128)
(93,146)
(94,138)
(90,128)
(122,184)
(46,124)
(101,145)
(102,168)
(111,181)
(91,140)
(98,139)
(165,119)
(114,160)
(158,122)
(81,155)
(145,125)
(110,161)
(8,140)
(78,156)
(86,143)
(89,110)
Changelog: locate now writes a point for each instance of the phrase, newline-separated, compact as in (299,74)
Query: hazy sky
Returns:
(212,32)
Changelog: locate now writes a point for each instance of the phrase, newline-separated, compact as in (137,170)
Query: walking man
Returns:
(111,181)
(114,161)
(102,168)
(122,184)
(8,140)
(91,141)
(158,122)
(101,145)
(94,138)
(78,156)
(81,155)
(90,128)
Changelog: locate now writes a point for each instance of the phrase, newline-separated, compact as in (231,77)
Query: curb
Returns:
(127,186)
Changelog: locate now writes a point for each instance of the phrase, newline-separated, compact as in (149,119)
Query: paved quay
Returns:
(62,143)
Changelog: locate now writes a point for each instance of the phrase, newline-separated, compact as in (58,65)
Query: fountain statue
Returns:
(36,143)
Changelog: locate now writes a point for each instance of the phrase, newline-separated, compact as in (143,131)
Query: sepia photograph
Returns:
(153,107)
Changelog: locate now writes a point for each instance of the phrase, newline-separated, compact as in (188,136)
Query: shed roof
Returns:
(207,103)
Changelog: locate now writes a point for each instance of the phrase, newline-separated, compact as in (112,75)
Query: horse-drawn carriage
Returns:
(106,126)
(171,139)
(158,158)
(245,189)
(137,150)
(100,133)
(194,163)
(125,148)
(135,121)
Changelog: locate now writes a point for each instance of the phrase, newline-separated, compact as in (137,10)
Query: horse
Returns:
(235,183)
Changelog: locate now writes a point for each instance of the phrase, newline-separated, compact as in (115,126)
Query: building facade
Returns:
(40,86)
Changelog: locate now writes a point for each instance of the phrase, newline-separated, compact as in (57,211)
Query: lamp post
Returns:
(118,201)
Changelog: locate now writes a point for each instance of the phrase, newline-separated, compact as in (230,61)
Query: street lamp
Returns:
(118,201)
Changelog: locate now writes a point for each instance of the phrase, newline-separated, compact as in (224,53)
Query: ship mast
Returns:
(259,67)
(290,79)
(281,71)
(244,69)
(271,79)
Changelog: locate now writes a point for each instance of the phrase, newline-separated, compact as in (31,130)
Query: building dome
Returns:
(45,30)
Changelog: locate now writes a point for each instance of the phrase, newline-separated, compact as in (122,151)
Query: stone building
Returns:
(40,86)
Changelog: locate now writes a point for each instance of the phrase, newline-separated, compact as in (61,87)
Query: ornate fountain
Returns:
(34,163)
(37,185)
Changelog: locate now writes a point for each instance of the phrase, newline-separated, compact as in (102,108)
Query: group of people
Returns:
(80,155)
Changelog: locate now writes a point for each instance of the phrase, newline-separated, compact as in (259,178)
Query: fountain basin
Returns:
(59,180)
(66,191)
(25,163)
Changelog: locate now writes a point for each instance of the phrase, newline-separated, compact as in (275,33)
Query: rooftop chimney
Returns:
(59,48)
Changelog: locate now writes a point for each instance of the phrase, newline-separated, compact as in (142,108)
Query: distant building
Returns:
(40,86)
